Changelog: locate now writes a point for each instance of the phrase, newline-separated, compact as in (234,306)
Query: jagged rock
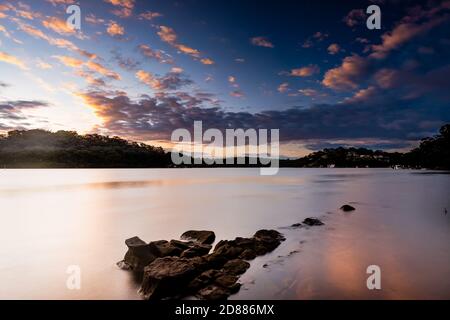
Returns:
(248,254)
(174,269)
(196,250)
(296,225)
(139,254)
(272,235)
(213,292)
(167,249)
(347,207)
(312,222)
(183,245)
(201,236)
(203,280)
(228,249)
(236,267)
(166,277)
(229,282)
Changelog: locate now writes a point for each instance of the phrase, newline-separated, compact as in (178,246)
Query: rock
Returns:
(215,261)
(174,269)
(228,249)
(296,225)
(183,245)
(227,281)
(203,280)
(213,292)
(201,236)
(167,249)
(271,235)
(139,255)
(248,254)
(236,267)
(166,277)
(312,222)
(196,250)
(347,207)
(267,240)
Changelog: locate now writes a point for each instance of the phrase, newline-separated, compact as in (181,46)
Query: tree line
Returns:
(67,149)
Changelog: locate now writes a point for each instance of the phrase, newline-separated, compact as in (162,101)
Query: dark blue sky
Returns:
(140,69)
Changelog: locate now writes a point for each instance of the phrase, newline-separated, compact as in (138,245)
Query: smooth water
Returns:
(53,219)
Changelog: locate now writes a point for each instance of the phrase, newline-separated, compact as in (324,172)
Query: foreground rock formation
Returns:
(175,269)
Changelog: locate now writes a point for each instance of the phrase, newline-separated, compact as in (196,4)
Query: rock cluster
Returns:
(174,269)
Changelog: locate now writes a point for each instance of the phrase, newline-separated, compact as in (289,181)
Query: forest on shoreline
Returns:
(67,149)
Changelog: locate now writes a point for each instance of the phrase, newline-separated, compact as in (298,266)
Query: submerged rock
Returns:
(201,236)
(347,207)
(313,222)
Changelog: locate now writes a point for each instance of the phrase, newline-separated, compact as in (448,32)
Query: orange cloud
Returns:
(115,29)
(149,15)
(57,25)
(347,75)
(69,61)
(207,61)
(261,42)
(334,48)
(58,42)
(304,71)
(125,7)
(148,79)
(169,36)
(402,34)
(155,54)
(12,60)
(97,67)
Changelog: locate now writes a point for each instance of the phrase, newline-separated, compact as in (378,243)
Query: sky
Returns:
(312,69)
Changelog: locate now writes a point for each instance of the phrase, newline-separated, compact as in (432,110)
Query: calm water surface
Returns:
(51,219)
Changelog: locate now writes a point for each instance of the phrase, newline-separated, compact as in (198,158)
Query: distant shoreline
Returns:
(41,149)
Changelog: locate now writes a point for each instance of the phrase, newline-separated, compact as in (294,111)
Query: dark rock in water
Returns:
(213,292)
(196,250)
(201,236)
(248,254)
(203,280)
(174,269)
(165,277)
(139,255)
(228,249)
(271,235)
(296,225)
(236,267)
(313,222)
(183,245)
(347,207)
(227,281)
(167,249)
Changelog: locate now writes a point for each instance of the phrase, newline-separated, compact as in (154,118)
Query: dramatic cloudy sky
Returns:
(140,69)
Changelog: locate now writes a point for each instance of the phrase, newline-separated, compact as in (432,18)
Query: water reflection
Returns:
(55,218)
